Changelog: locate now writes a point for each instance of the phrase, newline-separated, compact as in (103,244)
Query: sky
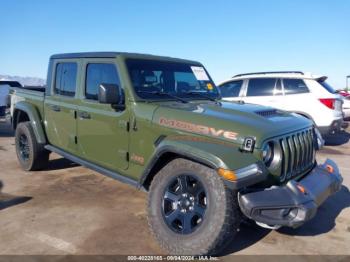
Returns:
(228,37)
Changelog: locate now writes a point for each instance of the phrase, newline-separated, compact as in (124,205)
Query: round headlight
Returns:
(267,153)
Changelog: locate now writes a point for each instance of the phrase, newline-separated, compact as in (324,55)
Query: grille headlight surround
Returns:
(272,155)
(319,139)
(267,153)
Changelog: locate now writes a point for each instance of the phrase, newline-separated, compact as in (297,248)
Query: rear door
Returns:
(61,105)
(103,136)
(264,91)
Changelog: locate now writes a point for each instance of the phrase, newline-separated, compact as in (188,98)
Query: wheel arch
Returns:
(26,112)
(165,155)
(306,115)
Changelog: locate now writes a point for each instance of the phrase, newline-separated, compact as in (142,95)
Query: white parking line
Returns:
(54,242)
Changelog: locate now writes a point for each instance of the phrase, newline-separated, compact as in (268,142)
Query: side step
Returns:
(94,167)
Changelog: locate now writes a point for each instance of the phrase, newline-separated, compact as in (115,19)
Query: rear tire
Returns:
(217,225)
(31,155)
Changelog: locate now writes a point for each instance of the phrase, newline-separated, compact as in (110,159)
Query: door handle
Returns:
(84,115)
(55,108)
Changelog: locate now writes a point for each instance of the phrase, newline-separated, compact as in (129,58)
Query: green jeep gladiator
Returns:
(158,124)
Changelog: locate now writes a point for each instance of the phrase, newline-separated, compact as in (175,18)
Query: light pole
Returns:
(347,82)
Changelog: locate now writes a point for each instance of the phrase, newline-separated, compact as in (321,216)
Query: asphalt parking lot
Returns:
(69,209)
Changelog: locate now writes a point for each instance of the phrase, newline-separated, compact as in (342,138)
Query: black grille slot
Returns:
(298,153)
(267,113)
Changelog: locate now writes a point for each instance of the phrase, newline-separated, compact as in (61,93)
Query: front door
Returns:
(103,136)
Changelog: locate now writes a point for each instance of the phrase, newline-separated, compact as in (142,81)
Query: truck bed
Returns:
(32,94)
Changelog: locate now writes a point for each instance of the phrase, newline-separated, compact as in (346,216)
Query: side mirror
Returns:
(110,94)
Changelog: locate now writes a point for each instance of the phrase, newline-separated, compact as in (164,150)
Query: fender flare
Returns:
(199,156)
(34,119)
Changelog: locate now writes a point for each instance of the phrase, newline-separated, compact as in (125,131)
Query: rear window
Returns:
(231,89)
(261,87)
(294,86)
(66,78)
(327,86)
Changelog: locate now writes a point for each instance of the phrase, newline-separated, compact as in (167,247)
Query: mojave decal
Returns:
(199,129)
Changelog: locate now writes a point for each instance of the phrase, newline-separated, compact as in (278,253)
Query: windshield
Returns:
(327,86)
(152,79)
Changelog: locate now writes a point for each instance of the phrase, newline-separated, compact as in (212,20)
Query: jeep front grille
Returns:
(298,153)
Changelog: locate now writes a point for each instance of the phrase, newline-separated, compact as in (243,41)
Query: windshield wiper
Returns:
(164,94)
(202,95)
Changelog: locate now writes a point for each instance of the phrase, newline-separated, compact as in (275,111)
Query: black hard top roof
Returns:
(86,55)
(10,83)
(115,54)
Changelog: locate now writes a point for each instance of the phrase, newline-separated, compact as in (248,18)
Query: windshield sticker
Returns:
(200,73)
(199,129)
(210,86)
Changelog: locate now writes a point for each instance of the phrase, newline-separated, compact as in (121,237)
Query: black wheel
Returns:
(184,204)
(31,155)
(190,210)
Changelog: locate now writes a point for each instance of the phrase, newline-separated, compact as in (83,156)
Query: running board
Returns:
(94,167)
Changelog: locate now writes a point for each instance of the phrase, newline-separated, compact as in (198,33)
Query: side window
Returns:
(97,74)
(66,78)
(261,87)
(294,86)
(231,89)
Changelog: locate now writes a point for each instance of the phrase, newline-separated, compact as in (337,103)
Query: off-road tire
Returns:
(222,216)
(38,156)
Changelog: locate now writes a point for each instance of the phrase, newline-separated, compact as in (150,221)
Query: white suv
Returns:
(293,91)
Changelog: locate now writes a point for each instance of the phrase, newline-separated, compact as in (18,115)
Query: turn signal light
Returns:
(301,189)
(227,174)
(329,168)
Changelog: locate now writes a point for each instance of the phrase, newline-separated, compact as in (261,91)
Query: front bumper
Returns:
(288,205)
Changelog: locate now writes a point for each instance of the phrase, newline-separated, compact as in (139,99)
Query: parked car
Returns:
(292,91)
(343,93)
(4,96)
(346,102)
(156,123)
(346,107)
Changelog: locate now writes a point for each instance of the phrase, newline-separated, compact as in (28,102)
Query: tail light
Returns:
(328,102)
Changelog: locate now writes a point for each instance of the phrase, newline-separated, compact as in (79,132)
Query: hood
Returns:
(228,121)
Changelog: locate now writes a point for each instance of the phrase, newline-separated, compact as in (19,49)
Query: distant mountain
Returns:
(25,81)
